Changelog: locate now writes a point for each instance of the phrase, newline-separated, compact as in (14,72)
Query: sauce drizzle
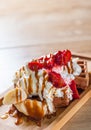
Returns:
(30,90)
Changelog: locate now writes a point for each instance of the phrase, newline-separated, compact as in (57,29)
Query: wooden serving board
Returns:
(55,123)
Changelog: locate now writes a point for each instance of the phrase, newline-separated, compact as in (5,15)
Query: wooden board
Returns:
(55,123)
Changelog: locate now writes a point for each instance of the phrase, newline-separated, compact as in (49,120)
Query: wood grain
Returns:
(81,120)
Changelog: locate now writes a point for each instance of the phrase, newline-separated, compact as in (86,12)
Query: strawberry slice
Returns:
(48,63)
(66,56)
(35,65)
(74,89)
(56,79)
(62,57)
(58,58)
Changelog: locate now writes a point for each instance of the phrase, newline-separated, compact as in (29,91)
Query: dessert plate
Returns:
(55,123)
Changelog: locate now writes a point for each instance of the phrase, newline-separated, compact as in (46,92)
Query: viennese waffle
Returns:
(82,80)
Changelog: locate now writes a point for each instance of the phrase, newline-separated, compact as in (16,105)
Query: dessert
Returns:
(82,80)
(44,84)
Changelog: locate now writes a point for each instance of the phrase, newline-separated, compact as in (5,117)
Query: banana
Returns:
(14,96)
(33,108)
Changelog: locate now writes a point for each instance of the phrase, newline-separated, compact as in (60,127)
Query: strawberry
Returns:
(74,89)
(62,57)
(56,79)
(35,65)
(58,58)
(40,60)
(48,63)
(66,56)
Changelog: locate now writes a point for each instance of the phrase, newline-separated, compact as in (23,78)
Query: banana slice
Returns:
(14,96)
(33,108)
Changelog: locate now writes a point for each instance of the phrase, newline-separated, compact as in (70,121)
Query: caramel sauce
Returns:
(25,82)
(34,110)
(37,84)
(15,85)
(20,95)
(43,84)
(64,91)
(21,71)
(1,101)
(16,114)
(19,118)
(11,110)
(30,90)
(5,116)
(68,69)
(71,64)
(49,116)
(16,94)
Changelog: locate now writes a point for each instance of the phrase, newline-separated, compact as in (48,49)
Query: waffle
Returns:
(61,102)
(82,81)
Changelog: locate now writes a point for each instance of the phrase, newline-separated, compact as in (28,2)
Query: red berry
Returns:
(66,56)
(35,65)
(48,63)
(58,58)
(41,59)
(56,79)
(74,89)
(62,57)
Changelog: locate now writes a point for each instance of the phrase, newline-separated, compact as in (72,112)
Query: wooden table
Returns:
(29,29)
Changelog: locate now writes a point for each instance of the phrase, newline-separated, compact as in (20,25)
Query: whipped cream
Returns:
(59,92)
(63,71)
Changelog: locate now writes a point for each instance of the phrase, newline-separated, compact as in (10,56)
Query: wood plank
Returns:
(81,120)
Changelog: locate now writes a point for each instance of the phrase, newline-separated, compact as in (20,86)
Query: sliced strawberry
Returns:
(58,58)
(66,56)
(74,89)
(41,59)
(62,57)
(35,65)
(48,63)
(56,79)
